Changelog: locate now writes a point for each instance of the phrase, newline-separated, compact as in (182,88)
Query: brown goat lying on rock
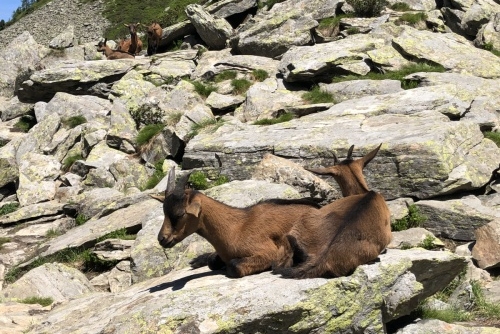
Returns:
(354,231)
(246,241)
(112,54)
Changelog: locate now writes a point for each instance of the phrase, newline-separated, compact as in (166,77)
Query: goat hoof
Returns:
(233,269)
(215,262)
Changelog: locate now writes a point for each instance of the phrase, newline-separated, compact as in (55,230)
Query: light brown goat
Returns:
(246,241)
(133,45)
(154,36)
(112,54)
(353,230)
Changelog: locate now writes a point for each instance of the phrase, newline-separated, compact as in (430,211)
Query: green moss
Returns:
(428,242)
(74,121)
(494,136)
(317,95)
(44,301)
(8,208)
(225,75)
(69,161)
(270,121)
(260,75)
(413,219)
(240,86)
(148,132)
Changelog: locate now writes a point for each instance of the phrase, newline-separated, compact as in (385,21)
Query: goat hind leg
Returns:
(248,265)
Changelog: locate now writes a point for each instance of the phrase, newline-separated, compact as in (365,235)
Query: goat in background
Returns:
(154,36)
(112,54)
(246,241)
(133,45)
(353,230)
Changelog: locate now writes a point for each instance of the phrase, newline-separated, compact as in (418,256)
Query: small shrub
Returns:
(8,208)
(240,86)
(260,75)
(81,219)
(316,95)
(270,121)
(482,308)
(411,18)
(400,7)
(352,31)
(25,123)
(367,8)
(413,219)
(225,75)
(74,121)
(147,114)
(329,22)
(427,243)
(69,161)
(200,181)
(157,176)
(208,124)
(3,240)
(204,89)
(148,132)
(44,301)
(494,136)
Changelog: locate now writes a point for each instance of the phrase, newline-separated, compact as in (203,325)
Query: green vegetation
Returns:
(225,75)
(260,75)
(148,132)
(268,3)
(396,75)
(413,219)
(352,31)
(174,118)
(489,47)
(427,243)
(316,95)
(200,181)
(8,208)
(146,114)
(25,123)
(270,121)
(118,234)
(69,161)
(52,233)
(206,125)
(449,315)
(240,86)
(400,7)
(81,219)
(44,301)
(157,176)
(367,8)
(74,121)
(495,136)
(204,89)
(3,142)
(411,18)
(484,309)
(3,240)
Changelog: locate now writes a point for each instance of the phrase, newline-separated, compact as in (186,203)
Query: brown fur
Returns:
(353,230)
(246,241)
(133,45)
(154,36)
(112,54)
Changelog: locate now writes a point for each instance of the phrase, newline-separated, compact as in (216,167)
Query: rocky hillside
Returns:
(251,97)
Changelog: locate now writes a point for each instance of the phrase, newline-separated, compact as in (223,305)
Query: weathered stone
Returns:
(99,177)
(36,233)
(222,103)
(13,108)
(438,326)
(489,34)
(214,32)
(64,40)
(120,277)
(129,173)
(175,64)
(278,170)
(113,249)
(33,211)
(486,250)
(103,156)
(399,208)
(492,292)
(413,237)
(379,292)
(53,280)
(122,128)
(456,219)
(228,8)
(358,88)
(16,317)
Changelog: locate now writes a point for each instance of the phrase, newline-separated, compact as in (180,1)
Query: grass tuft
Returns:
(367,8)
(69,161)
(200,181)
(494,136)
(413,219)
(8,208)
(316,95)
(148,132)
(270,121)
(44,301)
(3,240)
(81,219)
(25,123)
(240,86)
(225,75)
(74,121)
(260,75)
(157,176)
(204,89)
(400,7)
(411,18)
(206,125)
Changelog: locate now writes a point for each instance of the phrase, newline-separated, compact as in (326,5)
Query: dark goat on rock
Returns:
(154,36)
(248,240)
(355,229)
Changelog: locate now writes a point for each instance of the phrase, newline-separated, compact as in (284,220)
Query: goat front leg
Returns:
(249,265)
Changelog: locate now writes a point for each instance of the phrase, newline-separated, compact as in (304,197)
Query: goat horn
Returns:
(170,182)
(349,153)
(335,159)
(181,183)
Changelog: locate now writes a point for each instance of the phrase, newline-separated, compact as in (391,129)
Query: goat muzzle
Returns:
(166,242)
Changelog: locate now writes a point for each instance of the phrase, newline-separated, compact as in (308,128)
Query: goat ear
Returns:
(368,157)
(160,198)
(324,171)
(194,207)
